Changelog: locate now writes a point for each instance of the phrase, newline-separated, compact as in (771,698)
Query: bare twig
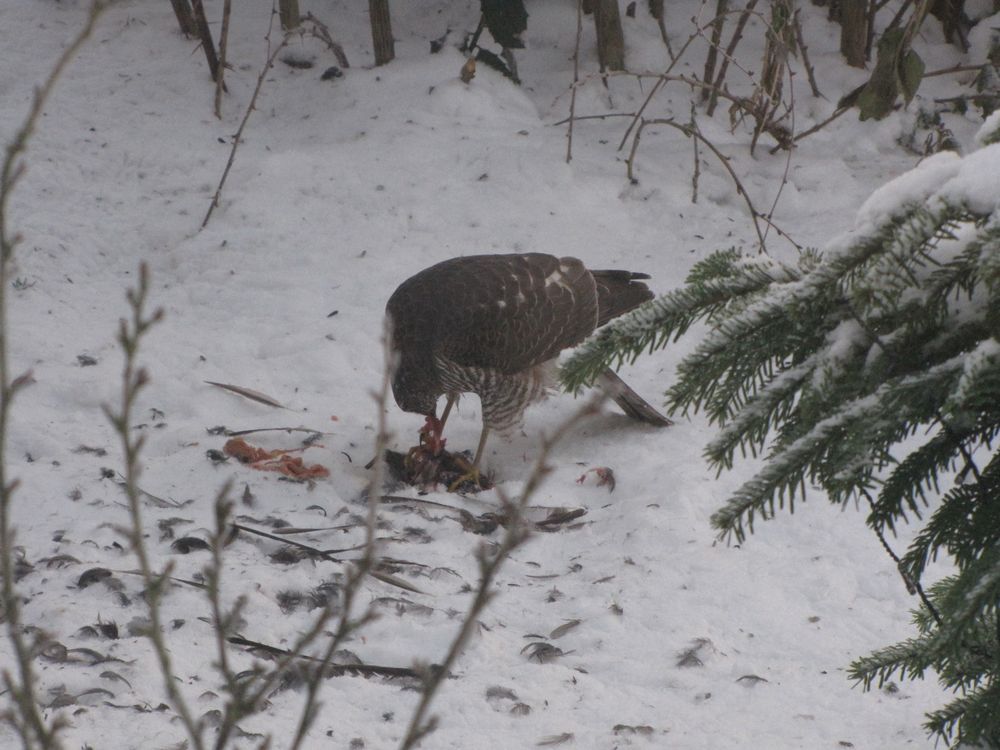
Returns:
(223,621)
(329,670)
(713,45)
(238,137)
(666,76)
(720,79)
(819,126)
(756,216)
(29,722)
(656,8)
(363,567)
(696,172)
(663,78)
(134,379)
(912,586)
(321,31)
(788,154)
(490,562)
(576,80)
(741,103)
(607,116)
(801,43)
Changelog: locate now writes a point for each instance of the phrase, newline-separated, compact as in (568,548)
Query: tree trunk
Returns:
(713,48)
(289,12)
(182,9)
(205,34)
(610,37)
(381,31)
(854,31)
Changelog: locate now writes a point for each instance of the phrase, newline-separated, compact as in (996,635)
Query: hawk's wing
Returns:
(511,312)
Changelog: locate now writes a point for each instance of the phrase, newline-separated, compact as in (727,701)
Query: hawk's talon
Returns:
(471,474)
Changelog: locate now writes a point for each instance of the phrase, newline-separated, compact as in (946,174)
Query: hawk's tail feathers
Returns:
(630,402)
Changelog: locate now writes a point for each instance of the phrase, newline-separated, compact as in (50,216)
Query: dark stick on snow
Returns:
(205,35)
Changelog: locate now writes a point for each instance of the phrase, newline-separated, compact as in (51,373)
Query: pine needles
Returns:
(872,371)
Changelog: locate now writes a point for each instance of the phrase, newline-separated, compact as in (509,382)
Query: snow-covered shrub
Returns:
(870,370)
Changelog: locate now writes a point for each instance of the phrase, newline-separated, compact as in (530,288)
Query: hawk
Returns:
(494,325)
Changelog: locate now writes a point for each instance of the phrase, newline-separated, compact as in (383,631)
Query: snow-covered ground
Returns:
(342,189)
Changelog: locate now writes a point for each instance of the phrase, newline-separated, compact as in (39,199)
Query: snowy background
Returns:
(342,189)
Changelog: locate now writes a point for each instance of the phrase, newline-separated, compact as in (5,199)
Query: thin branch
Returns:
(819,126)
(714,43)
(515,534)
(365,565)
(912,586)
(656,8)
(30,723)
(788,153)
(720,79)
(801,42)
(576,80)
(755,215)
(222,621)
(238,137)
(134,379)
(328,670)
(321,31)
(664,77)
(696,172)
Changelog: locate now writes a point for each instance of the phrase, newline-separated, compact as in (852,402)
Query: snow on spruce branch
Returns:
(870,370)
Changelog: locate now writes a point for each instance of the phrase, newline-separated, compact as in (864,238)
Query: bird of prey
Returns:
(494,325)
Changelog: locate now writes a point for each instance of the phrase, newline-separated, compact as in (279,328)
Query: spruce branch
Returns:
(653,325)
(831,370)
(962,718)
